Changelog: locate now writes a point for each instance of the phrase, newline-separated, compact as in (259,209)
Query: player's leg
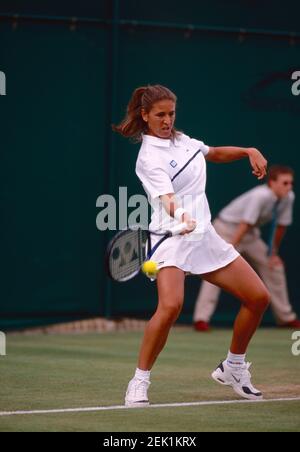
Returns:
(170,284)
(240,280)
(209,294)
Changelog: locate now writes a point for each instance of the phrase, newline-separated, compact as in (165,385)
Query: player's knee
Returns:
(262,300)
(171,310)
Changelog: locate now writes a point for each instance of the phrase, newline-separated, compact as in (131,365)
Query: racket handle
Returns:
(178,229)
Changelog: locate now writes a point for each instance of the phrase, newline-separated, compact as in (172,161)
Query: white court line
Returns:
(163,405)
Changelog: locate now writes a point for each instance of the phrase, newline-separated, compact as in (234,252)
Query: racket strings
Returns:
(127,254)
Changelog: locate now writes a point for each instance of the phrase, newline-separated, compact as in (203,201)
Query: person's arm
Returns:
(274,259)
(279,234)
(241,230)
(171,204)
(226,154)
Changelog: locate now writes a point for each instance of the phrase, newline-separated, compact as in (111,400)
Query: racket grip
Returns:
(178,229)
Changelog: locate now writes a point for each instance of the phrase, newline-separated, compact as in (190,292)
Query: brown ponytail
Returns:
(133,125)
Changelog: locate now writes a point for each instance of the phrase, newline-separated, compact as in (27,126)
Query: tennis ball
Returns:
(150,267)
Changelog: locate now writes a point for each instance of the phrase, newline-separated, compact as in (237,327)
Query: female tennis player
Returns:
(172,169)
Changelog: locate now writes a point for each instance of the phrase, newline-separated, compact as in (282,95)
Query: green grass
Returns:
(70,371)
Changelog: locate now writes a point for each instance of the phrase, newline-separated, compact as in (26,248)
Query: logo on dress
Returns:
(173,163)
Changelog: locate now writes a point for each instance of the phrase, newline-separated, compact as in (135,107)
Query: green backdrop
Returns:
(69,79)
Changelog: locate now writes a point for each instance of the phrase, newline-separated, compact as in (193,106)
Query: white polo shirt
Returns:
(255,207)
(166,166)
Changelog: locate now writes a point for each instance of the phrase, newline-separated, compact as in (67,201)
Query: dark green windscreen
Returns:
(68,80)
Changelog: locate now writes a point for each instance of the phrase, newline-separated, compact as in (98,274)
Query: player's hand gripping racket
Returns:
(129,249)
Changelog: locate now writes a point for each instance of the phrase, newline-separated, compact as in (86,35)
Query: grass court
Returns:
(60,372)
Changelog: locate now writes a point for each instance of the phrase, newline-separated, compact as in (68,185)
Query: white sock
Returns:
(142,374)
(235,361)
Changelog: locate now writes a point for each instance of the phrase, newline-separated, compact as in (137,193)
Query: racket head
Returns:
(125,254)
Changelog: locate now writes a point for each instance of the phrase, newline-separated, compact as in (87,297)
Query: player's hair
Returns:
(276,170)
(133,126)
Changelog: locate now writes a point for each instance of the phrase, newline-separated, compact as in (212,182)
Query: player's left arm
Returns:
(226,154)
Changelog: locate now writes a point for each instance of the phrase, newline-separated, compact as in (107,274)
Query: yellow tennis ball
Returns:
(150,267)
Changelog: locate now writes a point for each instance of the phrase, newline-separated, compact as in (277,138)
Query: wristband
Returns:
(178,213)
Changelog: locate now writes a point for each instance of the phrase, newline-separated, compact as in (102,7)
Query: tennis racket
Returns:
(128,250)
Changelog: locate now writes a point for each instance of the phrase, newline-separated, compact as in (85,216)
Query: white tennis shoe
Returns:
(137,393)
(239,380)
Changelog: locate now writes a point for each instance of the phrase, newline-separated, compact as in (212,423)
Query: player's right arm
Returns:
(171,205)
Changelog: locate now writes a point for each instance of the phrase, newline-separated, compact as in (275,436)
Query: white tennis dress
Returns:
(167,166)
